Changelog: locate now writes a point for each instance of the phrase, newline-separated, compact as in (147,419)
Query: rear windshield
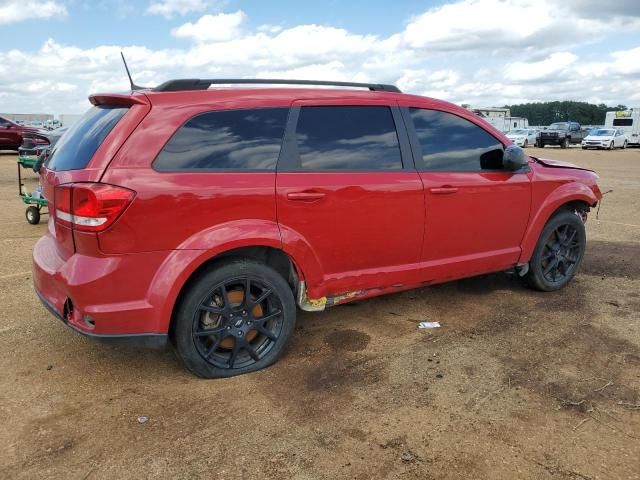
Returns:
(76,147)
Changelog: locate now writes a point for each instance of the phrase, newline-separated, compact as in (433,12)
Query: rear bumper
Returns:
(119,297)
(148,340)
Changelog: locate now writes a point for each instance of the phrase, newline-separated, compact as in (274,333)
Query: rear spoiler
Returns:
(118,99)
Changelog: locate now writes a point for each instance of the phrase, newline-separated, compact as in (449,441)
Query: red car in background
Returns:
(11,134)
(205,215)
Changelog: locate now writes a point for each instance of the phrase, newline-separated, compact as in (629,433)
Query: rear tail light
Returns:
(90,207)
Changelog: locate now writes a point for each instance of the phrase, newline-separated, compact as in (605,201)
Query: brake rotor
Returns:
(236,298)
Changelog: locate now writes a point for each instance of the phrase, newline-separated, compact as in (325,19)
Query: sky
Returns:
(54,53)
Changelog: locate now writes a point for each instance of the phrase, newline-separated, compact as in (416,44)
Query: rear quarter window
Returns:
(248,139)
(77,146)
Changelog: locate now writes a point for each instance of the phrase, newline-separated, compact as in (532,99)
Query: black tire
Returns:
(539,144)
(556,259)
(565,143)
(611,145)
(33,215)
(208,306)
(624,145)
(525,144)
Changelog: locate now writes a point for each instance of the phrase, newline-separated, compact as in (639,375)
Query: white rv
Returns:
(501,118)
(626,120)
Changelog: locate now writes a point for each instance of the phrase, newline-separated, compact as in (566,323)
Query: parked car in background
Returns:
(609,138)
(628,121)
(168,219)
(11,134)
(32,142)
(563,134)
(523,137)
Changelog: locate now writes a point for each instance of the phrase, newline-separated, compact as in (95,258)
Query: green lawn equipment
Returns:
(35,200)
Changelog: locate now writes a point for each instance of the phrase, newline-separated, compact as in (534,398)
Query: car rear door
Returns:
(349,200)
(476,212)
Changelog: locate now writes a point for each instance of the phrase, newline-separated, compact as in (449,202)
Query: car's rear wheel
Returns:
(558,253)
(624,145)
(525,144)
(235,318)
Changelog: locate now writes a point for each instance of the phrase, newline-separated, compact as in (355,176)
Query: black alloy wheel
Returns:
(234,318)
(238,323)
(559,252)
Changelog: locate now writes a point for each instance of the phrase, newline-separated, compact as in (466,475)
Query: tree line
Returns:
(545,113)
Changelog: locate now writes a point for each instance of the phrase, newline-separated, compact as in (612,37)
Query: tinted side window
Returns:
(231,139)
(348,138)
(622,122)
(451,143)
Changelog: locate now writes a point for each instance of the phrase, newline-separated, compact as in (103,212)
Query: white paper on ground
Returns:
(429,325)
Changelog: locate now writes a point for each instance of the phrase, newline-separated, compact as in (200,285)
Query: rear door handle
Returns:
(305,196)
(443,190)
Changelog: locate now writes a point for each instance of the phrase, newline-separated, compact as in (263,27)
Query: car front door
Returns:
(349,200)
(476,212)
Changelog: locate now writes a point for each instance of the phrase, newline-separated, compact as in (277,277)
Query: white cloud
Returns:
(482,52)
(170,8)
(212,28)
(13,11)
(550,68)
(513,24)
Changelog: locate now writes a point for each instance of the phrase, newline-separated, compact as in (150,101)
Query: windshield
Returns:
(602,132)
(518,132)
(78,144)
(559,126)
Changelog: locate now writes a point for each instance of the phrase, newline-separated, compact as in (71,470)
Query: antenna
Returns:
(133,85)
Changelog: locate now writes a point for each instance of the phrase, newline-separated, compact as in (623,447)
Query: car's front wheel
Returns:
(565,143)
(234,318)
(558,253)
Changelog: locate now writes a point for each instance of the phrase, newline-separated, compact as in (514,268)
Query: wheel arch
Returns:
(573,197)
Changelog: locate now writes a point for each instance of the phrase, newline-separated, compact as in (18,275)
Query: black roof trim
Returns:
(203,84)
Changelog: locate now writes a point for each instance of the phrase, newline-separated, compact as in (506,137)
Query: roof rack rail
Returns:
(204,84)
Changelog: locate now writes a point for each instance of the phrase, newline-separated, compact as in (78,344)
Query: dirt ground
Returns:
(516,383)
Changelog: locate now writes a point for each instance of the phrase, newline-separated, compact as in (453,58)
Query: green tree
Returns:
(545,113)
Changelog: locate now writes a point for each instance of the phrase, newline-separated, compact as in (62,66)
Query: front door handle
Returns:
(445,190)
(305,196)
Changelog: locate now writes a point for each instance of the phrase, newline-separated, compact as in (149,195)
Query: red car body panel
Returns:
(349,235)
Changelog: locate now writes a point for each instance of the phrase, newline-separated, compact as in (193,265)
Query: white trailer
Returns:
(627,120)
(501,118)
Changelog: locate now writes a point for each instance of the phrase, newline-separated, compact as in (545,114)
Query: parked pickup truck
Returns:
(563,134)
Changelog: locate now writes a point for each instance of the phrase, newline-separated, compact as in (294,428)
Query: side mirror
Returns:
(514,158)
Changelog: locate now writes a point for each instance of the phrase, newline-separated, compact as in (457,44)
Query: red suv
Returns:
(11,134)
(205,215)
